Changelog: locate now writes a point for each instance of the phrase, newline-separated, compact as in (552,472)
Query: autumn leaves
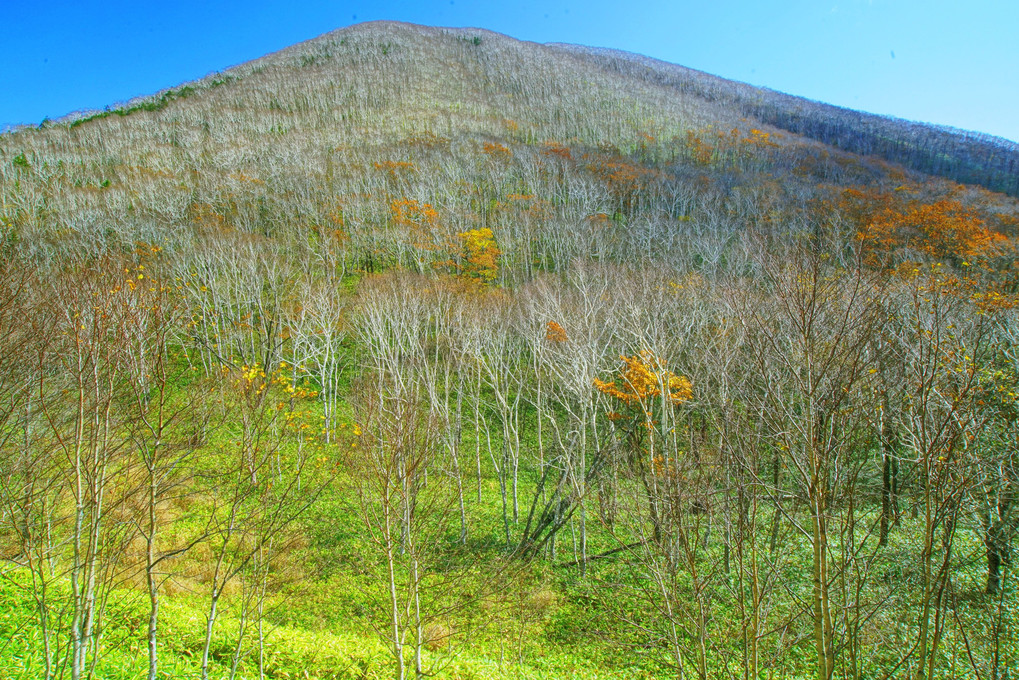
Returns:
(944,229)
(644,378)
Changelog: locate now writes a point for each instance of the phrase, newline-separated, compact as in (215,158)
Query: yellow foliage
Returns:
(480,254)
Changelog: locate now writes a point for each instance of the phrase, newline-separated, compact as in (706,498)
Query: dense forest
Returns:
(411,352)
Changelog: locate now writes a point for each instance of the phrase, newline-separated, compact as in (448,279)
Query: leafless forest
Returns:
(409,351)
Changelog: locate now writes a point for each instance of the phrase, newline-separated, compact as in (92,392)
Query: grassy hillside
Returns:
(423,352)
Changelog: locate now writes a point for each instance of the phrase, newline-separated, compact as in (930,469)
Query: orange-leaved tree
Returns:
(666,506)
(555,333)
(943,230)
(645,391)
(421,231)
(642,381)
(626,181)
(420,220)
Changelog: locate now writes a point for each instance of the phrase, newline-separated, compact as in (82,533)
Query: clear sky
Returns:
(952,62)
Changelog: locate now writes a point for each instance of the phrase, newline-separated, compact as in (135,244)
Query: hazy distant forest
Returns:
(409,352)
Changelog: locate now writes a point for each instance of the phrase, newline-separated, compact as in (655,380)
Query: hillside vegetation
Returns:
(959,155)
(413,352)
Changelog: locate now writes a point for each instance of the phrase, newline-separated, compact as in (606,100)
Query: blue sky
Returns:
(950,62)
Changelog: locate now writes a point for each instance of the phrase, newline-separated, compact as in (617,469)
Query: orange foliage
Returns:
(241,177)
(934,279)
(991,301)
(332,237)
(204,215)
(599,221)
(335,213)
(556,150)
(642,379)
(427,141)
(759,138)
(624,179)
(395,169)
(950,230)
(700,151)
(555,333)
(943,230)
(621,176)
(537,209)
(707,146)
(420,219)
(496,150)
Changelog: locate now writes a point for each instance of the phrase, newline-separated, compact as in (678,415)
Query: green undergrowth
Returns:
(327,644)
(326,617)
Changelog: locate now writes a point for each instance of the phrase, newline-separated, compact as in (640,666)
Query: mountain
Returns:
(297,120)
(419,351)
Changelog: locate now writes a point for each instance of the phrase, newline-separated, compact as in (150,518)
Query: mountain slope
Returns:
(968,157)
(354,96)
(292,118)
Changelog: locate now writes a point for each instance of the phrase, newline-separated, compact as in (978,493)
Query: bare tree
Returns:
(811,355)
(406,516)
